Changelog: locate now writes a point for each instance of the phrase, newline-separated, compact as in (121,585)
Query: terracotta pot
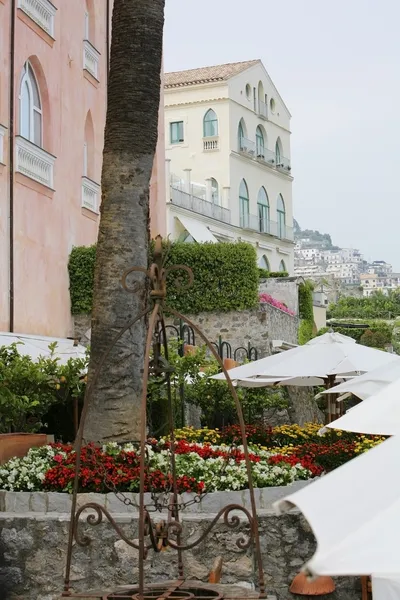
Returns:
(17,444)
(189,350)
(229,363)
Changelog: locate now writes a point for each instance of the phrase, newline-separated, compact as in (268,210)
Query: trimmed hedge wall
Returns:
(226,277)
(264,274)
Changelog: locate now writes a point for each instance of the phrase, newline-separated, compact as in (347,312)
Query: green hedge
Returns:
(264,274)
(306,312)
(225,277)
(377,335)
(81,272)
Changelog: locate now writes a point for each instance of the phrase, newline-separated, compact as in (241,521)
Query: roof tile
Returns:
(206,74)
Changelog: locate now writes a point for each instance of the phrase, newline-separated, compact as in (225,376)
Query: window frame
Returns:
(29,79)
(263,211)
(281,217)
(211,123)
(260,142)
(244,203)
(178,139)
(214,195)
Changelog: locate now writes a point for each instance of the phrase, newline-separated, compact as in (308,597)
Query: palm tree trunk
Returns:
(129,147)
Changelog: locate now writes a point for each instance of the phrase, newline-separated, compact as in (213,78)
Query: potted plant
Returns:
(28,390)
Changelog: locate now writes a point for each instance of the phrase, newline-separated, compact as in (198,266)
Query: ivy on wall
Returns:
(226,277)
(306,312)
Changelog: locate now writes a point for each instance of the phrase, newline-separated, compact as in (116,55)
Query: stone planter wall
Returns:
(33,542)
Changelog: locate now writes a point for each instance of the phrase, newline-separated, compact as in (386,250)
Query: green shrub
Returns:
(29,390)
(225,277)
(306,312)
(377,306)
(264,274)
(377,335)
(81,272)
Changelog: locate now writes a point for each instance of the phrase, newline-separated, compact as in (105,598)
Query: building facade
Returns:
(53,77)
(228,170)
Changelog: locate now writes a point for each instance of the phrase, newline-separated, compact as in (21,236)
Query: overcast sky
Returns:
(337,66)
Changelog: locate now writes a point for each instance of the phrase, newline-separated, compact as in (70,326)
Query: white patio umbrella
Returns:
(325,357)
(38,346)
(370,383)
(355,516)
(377,415)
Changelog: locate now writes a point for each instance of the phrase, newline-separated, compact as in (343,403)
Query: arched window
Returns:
(278,153)
(263,211)
(214,191)
(241,135)
(244,204)
(88,148)
(281,214)
(30,107)
(210,124)
(264,263)
(282,267)
(260,142)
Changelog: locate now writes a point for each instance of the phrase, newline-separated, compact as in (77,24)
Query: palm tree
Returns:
(129,147)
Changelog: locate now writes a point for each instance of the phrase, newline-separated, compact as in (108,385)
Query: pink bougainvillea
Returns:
(267,299)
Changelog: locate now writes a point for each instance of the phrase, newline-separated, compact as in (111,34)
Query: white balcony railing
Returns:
(40,11)
(90,194)
(247,146)
(2,134)
(91,59)
(262,110)
(283,164)
(200,206)
(34,162)
(210,144)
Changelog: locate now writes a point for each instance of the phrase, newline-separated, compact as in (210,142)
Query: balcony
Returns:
(34,162)
(42,12)
(210,144)
(283,164)
(91,59)
(200,206)
(266,156)
(247,147)
(90,194)
(262,110)
(255,223)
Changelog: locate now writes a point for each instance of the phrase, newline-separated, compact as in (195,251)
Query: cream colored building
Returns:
(228,167)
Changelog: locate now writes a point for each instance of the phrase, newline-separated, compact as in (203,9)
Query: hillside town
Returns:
(198,398)
(343,270)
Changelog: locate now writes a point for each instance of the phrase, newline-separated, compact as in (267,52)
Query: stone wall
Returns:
(284,289)
(33,553)
(258,326)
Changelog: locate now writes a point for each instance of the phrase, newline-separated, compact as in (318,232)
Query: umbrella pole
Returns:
(331,416)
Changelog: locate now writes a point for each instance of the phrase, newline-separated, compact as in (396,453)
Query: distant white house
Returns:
(229,173)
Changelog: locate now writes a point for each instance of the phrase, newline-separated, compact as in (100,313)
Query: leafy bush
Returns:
(264,274)
(225,277)
(191,376)
(29,390)
(378,334)
(81,272)
(306,312)
(377,306)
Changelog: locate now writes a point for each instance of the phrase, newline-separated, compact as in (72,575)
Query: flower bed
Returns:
(206,461)
(267,299)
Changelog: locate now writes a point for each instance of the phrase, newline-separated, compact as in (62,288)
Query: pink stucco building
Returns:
(53,77)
